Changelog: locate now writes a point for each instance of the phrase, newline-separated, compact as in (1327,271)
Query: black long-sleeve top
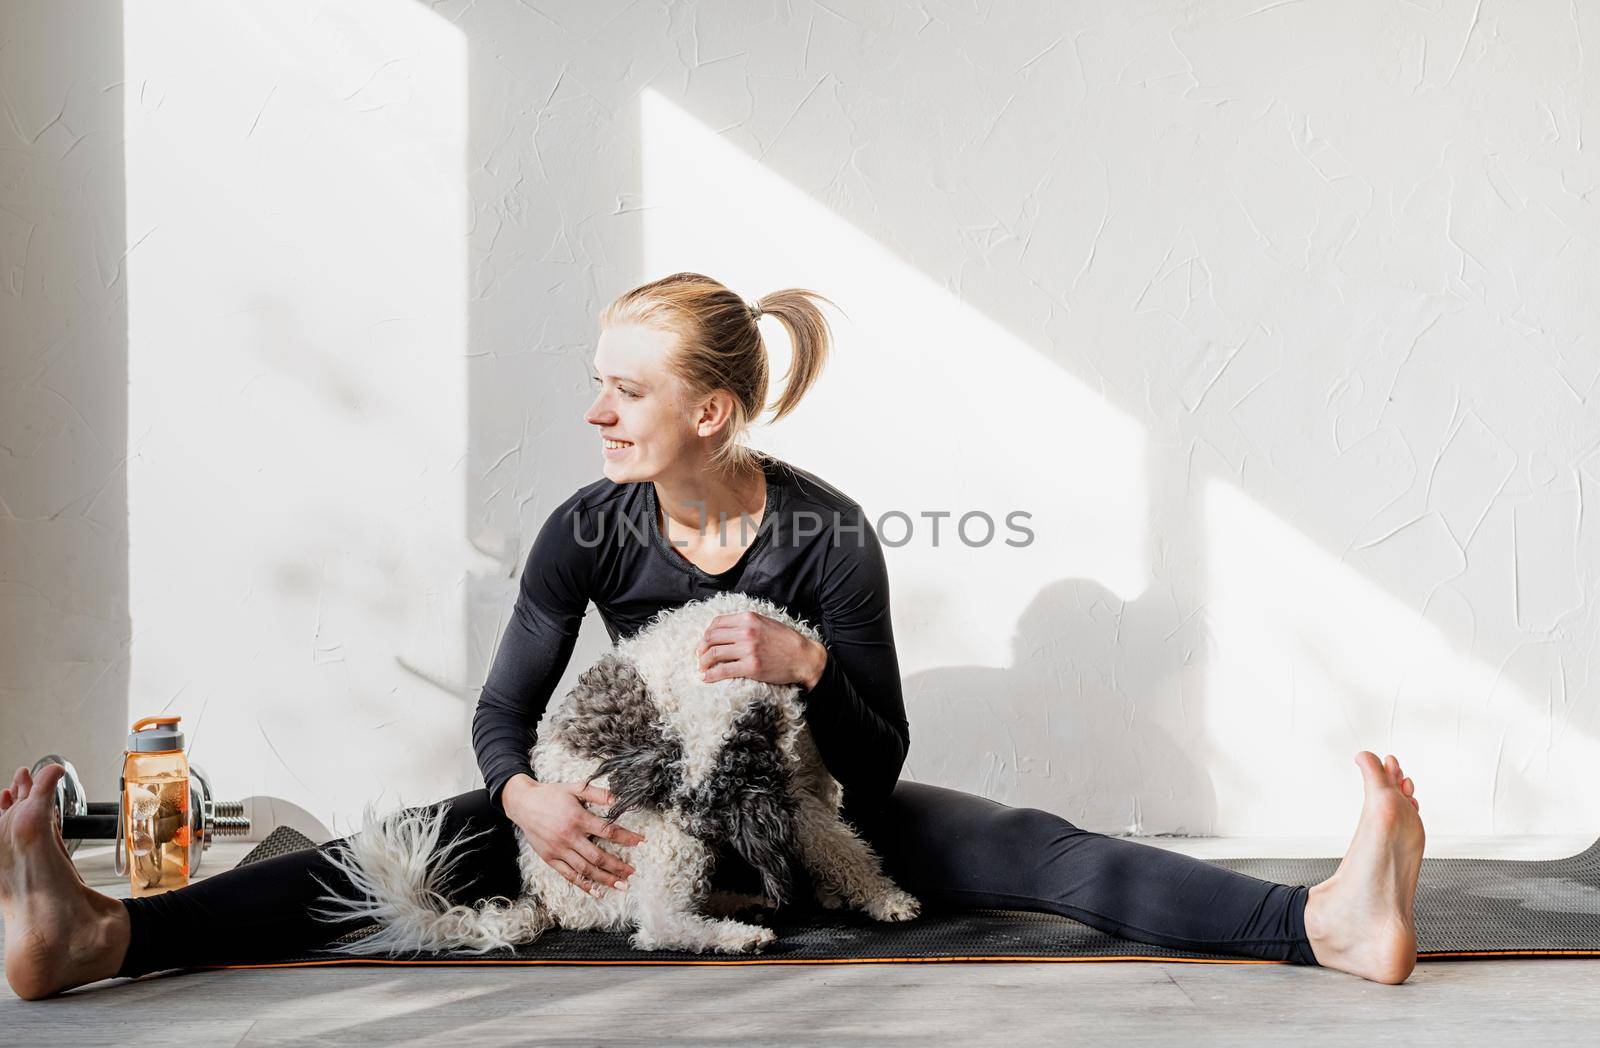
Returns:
(814,554)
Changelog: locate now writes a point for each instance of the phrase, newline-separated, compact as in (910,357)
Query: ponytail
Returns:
(810,336)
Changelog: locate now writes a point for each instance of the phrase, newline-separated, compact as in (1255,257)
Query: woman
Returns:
(686,510)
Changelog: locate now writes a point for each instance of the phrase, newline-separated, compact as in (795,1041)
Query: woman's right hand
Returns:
(560,829)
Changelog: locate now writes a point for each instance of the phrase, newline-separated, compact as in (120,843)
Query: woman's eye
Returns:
(595,380)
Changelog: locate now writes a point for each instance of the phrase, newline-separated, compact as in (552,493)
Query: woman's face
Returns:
(639,404)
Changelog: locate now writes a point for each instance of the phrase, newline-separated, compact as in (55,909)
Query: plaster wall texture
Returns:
(1272,318)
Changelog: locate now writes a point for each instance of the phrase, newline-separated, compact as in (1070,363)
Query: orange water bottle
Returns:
(153,814)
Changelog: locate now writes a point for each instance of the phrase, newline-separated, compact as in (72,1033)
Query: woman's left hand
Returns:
(747,644)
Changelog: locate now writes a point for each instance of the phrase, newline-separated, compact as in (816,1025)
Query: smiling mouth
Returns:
(616,445)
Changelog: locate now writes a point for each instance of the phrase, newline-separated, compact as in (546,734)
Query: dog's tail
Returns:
(398,871)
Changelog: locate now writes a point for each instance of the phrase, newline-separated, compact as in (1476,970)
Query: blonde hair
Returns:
(719,346)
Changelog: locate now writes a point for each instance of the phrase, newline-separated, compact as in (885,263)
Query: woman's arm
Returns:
(534,650)
(856,710)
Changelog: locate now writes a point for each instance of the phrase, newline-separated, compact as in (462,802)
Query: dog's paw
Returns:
(716,936)
(738,937)
(643,940)
(893,906)
(829,900)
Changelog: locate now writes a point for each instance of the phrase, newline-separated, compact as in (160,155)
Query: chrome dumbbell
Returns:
(81,819)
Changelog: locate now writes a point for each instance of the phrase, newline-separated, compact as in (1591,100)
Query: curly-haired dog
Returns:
(691,766)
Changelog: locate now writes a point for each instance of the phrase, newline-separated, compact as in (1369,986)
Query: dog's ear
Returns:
(745,800)
(643,777)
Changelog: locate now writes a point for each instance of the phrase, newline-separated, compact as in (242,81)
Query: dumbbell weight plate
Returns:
(70,798)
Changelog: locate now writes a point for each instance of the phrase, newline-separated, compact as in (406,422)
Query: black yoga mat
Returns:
(1464,908)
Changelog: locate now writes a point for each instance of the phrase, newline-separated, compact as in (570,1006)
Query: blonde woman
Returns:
(681,372)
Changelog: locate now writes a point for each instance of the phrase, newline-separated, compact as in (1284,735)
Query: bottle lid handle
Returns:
(145,722)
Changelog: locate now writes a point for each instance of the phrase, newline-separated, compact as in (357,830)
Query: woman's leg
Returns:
(61,933)
(954,849)
(264,911)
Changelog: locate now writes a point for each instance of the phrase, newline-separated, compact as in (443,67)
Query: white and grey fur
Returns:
(692,766)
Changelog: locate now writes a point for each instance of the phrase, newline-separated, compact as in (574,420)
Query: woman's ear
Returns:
(713,413)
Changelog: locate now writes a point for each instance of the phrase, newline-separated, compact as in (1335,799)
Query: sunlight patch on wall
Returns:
(927,406)
(1312,663)
(296,211)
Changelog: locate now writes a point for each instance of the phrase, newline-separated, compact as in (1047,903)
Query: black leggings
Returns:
(948,848)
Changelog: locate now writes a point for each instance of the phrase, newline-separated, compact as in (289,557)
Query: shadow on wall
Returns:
(64,617)
(1061,727)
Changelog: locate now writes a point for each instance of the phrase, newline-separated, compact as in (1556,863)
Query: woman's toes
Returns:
(1407,787)
(1370,766)
(5,799)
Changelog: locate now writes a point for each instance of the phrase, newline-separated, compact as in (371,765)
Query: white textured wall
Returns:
(1276,317)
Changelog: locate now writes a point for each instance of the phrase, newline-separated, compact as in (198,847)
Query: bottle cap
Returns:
(155,735)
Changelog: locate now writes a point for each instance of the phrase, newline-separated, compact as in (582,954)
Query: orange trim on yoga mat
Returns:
(543,962)
(729,962)
(1507,953)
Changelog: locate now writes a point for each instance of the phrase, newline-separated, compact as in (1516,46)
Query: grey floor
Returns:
(1544,1002)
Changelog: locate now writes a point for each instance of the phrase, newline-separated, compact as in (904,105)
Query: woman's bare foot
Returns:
(60,933)
(1360,919)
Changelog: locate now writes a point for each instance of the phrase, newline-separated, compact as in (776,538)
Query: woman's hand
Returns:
(750,645)
(561,830)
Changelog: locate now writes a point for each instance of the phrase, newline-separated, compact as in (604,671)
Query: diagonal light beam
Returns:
(927,406)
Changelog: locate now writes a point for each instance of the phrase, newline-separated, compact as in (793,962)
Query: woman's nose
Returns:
(598,414)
